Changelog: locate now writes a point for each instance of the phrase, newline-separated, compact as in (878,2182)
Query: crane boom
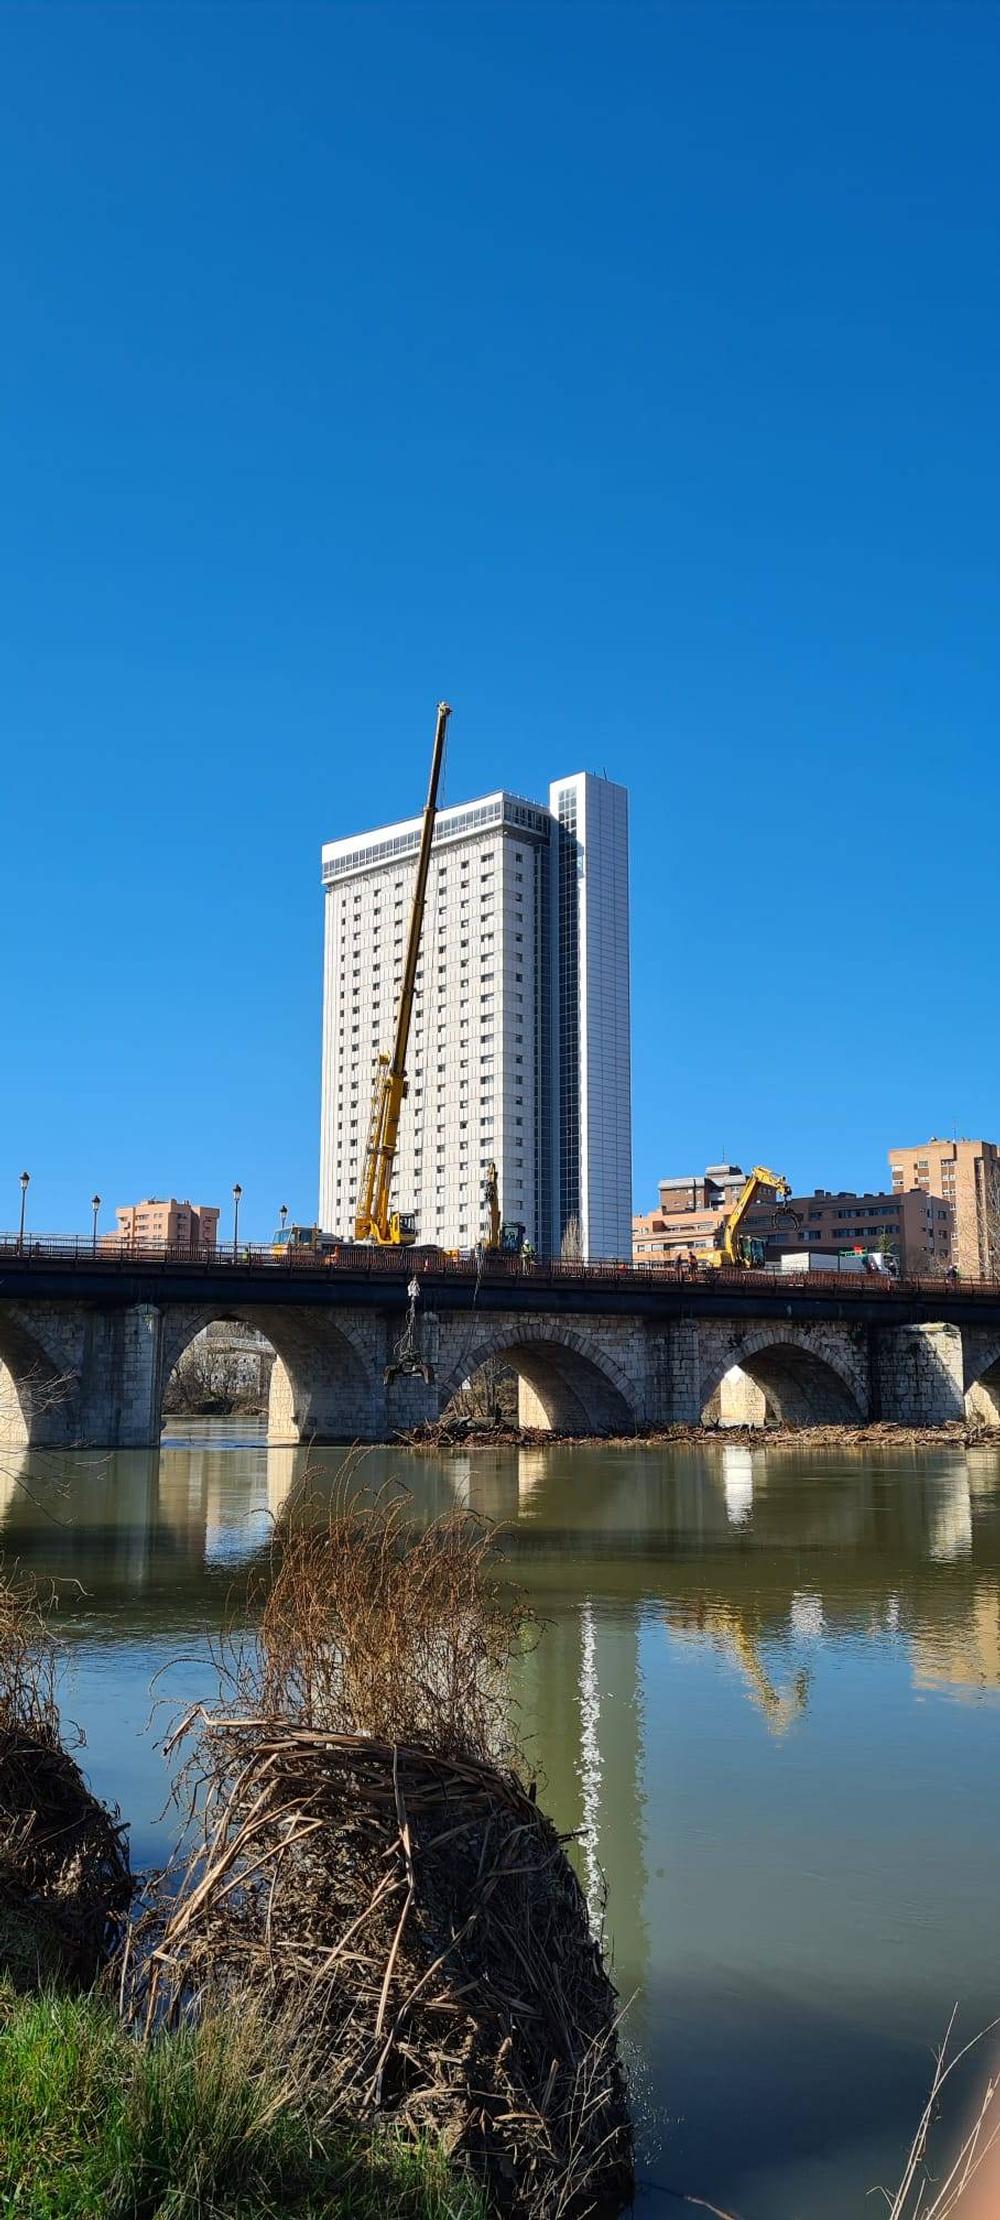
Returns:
(373,1220)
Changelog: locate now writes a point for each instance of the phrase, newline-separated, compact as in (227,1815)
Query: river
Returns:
(767,1692)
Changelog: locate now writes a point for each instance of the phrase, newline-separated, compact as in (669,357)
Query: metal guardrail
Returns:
(80,1252)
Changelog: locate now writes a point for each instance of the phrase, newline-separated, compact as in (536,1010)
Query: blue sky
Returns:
(628,374)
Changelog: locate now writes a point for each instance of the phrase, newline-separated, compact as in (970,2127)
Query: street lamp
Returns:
(25,1184)
(95,1204)
(283,1214)
(237,1197)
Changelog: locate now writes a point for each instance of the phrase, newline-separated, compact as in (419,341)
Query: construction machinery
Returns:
(505,1235)
(374,1220)
(301,1237)
(733,1246)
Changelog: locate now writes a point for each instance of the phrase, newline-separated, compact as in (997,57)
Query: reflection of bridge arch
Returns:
(321,1381)
(800,1386)
(37,1399)
(577,1386)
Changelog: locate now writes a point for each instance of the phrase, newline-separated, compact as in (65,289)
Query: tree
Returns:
(571,1245)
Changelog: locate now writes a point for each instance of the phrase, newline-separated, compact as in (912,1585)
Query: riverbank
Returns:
(95,2121)
(435,1435)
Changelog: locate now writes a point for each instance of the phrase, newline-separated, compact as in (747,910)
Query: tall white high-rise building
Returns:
(519,1049)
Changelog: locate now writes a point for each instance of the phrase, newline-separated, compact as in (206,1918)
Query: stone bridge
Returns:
(85,1357)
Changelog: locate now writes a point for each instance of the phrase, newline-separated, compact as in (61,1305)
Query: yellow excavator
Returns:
(504,1235)
(373,1219)
(732,1246)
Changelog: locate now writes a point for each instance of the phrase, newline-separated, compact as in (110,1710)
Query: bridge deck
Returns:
(54,1270)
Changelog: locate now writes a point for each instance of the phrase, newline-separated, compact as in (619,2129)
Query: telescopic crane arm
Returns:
(373,1220)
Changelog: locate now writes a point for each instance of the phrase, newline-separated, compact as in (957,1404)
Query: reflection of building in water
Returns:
(80,1510)
(217,1499)
(580,1713)
(532,1470)
(737,1484)
(949,1523)
(728,1627)
(964,1651)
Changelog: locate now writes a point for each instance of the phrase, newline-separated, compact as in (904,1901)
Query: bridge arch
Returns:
(38,1400)
(800,1385)
(321,1382)
(981,1367)
(576,1386)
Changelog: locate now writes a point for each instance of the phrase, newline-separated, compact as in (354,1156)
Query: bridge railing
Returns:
(80,1251)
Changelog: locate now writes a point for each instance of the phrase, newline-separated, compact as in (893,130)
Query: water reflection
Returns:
(765,1695)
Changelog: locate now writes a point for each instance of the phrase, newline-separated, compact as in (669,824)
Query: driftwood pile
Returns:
(64,1877)
(444,1433)
(397,1897)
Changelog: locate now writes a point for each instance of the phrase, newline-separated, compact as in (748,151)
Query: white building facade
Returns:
(519,1048)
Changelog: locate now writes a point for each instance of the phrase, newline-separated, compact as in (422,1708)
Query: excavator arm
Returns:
(491,1197)
(731,1245)
(373,1219)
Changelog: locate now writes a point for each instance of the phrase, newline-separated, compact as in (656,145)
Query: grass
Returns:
(196,2125)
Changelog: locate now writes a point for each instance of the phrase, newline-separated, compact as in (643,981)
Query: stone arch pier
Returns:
(91,1372)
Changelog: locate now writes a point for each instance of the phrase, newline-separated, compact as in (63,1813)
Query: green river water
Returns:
(767,1693)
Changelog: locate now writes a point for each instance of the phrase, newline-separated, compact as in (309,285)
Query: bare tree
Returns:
(218,1376)
(571,1245)
(489,1396)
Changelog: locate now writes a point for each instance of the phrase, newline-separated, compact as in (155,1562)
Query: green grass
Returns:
(95,2125)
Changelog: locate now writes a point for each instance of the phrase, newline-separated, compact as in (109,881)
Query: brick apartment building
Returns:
(916,1227)
(690,1210)
(966,1175)
(175,1225)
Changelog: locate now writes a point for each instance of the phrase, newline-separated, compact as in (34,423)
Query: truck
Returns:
(837,1260)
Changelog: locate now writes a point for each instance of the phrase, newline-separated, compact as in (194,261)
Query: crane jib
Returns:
(373,1221)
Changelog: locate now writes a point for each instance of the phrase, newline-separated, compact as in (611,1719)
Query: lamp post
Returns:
(25,1184)
(283,1215)
(237,1197)
(95,1204)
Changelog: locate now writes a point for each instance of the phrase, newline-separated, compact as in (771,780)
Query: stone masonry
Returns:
(86,1375)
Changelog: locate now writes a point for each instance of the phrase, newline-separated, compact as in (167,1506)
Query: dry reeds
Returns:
(920,2198)
(374,1627)
(64,1878)
(374,1868)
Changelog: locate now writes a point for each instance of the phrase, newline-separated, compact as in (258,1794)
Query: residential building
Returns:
(915,1227)
(519,1048)
(158,1220)
(965,1174)
(690,1210)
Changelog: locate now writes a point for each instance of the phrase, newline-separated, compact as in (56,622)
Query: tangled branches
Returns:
(372,1869)
(64,1878)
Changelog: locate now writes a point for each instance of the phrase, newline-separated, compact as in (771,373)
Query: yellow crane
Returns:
(732,1246)
(373,1220)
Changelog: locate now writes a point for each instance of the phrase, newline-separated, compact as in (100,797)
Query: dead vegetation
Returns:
(64,1879)
(445,1433)
(970,2185)
(374,1867)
